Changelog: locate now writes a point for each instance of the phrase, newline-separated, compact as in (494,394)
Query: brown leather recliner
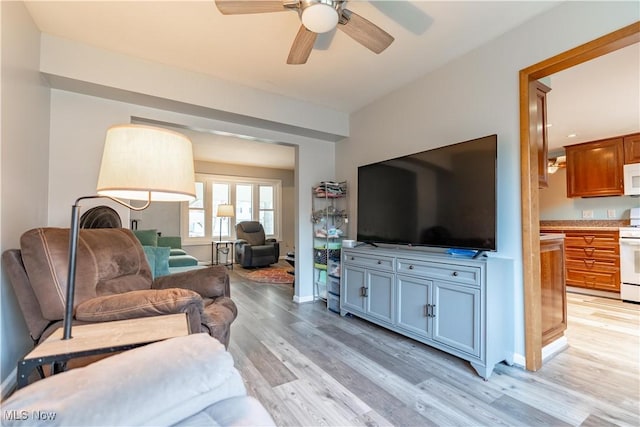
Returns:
(113,282)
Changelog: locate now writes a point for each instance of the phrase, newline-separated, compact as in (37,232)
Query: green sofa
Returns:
(156,247)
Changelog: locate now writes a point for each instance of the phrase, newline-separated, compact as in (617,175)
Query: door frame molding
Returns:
(530,215)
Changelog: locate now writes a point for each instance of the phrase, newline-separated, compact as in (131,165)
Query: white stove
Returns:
(630,259)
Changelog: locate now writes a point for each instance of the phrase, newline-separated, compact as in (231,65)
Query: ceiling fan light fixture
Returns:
(319,17)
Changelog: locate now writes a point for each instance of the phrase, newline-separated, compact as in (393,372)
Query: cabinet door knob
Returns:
(455,273)
(411,267)
(379,262)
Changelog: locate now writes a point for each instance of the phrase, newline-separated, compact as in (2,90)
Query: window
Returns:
(244,202)
(266,213)
(196,214)
(252,199)
(221,196)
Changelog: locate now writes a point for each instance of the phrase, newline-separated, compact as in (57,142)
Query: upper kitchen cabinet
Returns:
(541,139)
(595,168)
(631,148)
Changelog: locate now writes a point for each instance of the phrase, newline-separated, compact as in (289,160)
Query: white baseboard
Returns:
(9,384)
(519,360)
(548,352)
(299,300)
(558,346)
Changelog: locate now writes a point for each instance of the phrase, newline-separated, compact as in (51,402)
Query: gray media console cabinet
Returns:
(459,305)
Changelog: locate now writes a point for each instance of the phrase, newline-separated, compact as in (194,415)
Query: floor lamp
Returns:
(140,163)
(224,211)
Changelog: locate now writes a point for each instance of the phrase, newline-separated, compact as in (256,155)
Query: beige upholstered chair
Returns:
(113,282)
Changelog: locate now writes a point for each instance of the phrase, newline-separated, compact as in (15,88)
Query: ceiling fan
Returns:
(317,16)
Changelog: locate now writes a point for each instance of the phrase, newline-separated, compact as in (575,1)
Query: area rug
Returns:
(276,274)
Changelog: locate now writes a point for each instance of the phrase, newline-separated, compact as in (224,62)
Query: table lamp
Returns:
(224,211)
(138,163)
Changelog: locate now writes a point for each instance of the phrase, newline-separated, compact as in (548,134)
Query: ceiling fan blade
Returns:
(364,32)
(237,7)
(302,46)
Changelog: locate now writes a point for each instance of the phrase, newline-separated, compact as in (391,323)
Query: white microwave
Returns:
(632,179)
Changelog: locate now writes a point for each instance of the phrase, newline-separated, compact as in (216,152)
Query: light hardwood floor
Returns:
(311,367)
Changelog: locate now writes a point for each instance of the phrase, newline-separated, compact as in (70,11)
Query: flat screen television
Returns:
(445,197)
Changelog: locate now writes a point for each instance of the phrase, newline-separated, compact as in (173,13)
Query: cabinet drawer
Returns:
(600,239)
(458,273)
(593,253)
(379,263)
(590,264)
(606,281)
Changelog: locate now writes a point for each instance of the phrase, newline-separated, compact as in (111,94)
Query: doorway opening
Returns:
(529,174)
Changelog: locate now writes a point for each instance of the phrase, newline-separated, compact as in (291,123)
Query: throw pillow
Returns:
(174,242)
(147,237)
(158,258)
(150,253)
(177,252)
(162,260)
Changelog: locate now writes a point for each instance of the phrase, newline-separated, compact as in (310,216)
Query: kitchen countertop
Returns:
(551,236)
(568,224)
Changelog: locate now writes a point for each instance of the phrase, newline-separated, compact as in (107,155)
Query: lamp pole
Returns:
(123,176)
(71,279)
(74,232)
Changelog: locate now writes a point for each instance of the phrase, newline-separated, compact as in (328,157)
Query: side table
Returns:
(225,247)
(101,338)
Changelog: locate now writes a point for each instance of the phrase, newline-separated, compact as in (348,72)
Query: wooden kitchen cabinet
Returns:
(595,168)
(631,144)
(541,139)
(592,259)
(553,289)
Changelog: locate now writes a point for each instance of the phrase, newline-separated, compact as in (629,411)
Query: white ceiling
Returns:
(595,100)
(233,150)
(251,50)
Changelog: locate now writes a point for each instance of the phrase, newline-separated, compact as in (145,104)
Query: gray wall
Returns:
(24,164)
(473,96)
(164,217)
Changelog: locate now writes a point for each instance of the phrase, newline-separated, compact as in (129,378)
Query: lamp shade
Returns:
(139,161)
(225,211)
